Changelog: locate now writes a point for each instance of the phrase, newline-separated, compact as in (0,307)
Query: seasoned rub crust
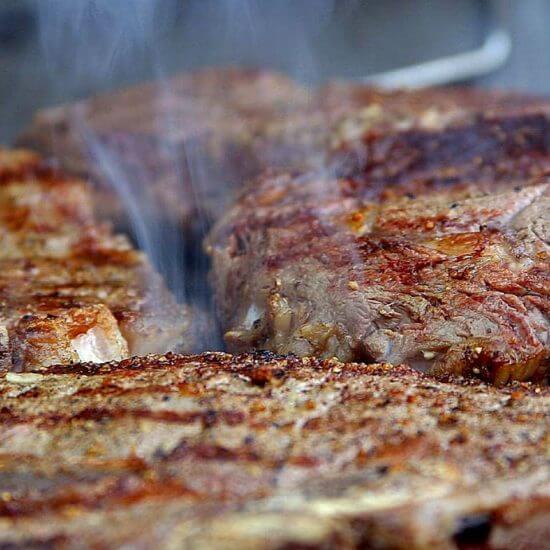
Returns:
(265,451)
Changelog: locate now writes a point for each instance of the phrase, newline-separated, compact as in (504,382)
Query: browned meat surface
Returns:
(489,148)
(189,142)
(431,250)
(265,452)
(405,227)
(70,289)
(179,139)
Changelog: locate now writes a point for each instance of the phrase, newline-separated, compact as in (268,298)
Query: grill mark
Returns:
(211,451)
(414,151)
(119,492)
(209,418)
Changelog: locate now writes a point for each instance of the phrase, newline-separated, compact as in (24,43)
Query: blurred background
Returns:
(54,51)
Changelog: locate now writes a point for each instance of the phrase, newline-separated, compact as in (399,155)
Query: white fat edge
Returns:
(368,501)
(24,377)
(300,528)
(96,347)
(58,245)
(64,384)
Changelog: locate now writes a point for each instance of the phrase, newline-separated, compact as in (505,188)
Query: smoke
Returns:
(277,34)
(87,43)
(90,46)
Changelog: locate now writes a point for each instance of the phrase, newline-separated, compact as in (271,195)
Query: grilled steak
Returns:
(70,289)
(190,141)
(437,257)
(259,451)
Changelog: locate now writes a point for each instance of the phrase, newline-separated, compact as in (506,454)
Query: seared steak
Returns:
(406,227)
(265,452)
(186,144)
(432,250)
(70,289)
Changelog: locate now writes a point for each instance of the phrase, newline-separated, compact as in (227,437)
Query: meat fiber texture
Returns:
(425,246)
(258,451)
(70,289)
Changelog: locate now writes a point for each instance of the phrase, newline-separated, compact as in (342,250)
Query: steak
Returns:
(186,144)
(70,289)
(268,452)
(427,247)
